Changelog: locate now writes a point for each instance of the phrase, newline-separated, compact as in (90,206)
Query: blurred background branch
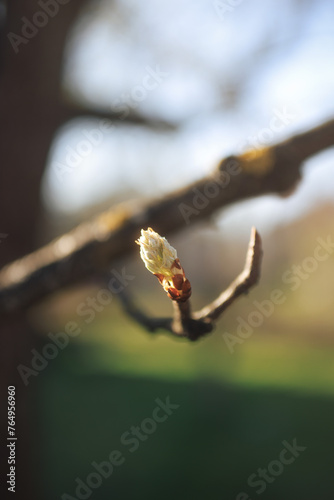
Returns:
(70,111)
(93,245)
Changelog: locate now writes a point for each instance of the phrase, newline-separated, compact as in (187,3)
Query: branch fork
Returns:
(160,259)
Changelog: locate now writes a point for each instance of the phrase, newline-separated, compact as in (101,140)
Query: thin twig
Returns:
(70,110)
(241,285)
(148,322)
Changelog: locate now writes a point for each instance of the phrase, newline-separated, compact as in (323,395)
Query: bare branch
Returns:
(70,111)
(241,285)
(181,325)
(149,323)
(195,326)
(93,245)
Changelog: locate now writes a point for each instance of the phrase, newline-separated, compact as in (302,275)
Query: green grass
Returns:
(235,411)
(263,360)
(208,447)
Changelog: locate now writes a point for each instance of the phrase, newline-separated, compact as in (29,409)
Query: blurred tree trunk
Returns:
(30,86)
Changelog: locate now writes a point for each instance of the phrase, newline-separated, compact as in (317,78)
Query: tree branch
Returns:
(93,245)
(195,326)
(241,285)
(149,323)
(70,111)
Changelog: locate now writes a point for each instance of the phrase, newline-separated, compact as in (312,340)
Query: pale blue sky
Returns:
(276,57)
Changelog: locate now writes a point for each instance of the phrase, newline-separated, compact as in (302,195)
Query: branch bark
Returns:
(91,246)
(70,111)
